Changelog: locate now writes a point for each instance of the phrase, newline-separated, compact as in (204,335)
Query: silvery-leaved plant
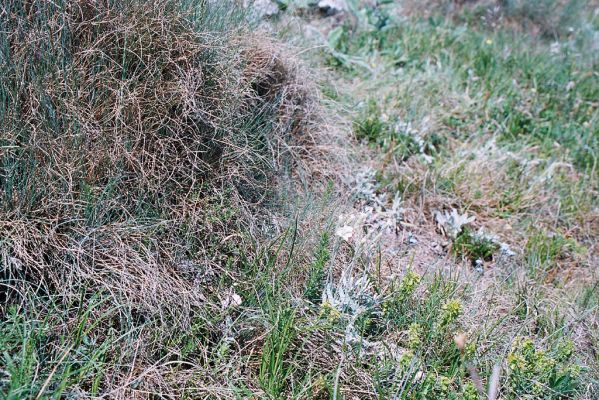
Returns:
(354,340)
(377,216)
(349,225)
(365,185)
(379,201)
(451,223)
(228,335)
(351,296)
(386,218)
(505,249)
(397,211)
(555,48)
(345,232)
(365,228)
(406,128)
(354,345)
(488,237)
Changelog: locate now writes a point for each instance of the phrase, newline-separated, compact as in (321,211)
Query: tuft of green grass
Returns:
(387,133)
(274,365)
(473,247)
(371,126)
(316,274)
(545,251)
(46,355)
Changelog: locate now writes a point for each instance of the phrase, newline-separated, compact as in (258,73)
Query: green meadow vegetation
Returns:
(397,201)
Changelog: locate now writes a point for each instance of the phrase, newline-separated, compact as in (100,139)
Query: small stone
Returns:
(345,232)
(478,266)
(506,250)
(232,299)
(332,7)
(412,239)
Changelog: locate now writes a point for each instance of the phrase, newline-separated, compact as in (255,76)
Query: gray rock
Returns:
(262,8)
(332,7)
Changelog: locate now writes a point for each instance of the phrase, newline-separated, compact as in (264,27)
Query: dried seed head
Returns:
(460,340)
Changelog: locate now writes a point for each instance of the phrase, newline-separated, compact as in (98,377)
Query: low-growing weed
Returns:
(534,372)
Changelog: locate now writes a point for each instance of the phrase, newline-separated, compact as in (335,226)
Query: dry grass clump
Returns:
(134,138)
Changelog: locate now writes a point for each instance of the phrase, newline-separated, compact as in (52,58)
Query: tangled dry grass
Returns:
(144,149)
(134,135)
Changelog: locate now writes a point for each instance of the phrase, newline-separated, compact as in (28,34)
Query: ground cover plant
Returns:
(289,199)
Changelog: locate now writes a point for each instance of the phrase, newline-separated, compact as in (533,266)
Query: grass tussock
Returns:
(137,141)
(118,120)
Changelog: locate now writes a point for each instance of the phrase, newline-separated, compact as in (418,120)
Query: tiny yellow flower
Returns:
(489,42)
(451,311)
(414,335)
(328,311)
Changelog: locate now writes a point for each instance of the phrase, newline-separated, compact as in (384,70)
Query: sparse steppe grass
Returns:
(501,124)
(506,105)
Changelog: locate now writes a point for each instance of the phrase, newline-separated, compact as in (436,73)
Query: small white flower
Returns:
(345,232)
(232,299)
